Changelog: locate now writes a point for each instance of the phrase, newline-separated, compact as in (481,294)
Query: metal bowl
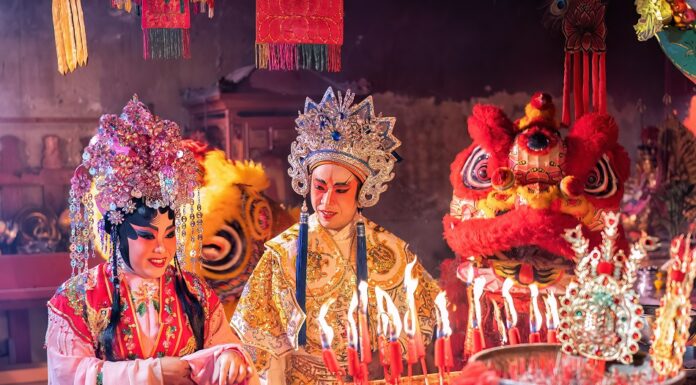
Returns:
(510,362)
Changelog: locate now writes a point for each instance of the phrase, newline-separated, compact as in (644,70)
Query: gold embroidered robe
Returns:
(268,317)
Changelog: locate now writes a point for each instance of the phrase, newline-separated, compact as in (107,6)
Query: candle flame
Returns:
(499,321)
(326,330)
(510,312)
(391,312)
(411,284)
(362,293)
(479,283)
(534,292)
(443,314)
(552,319)
(352,327)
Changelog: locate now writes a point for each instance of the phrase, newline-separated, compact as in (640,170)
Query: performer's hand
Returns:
(231,368)
(175,371)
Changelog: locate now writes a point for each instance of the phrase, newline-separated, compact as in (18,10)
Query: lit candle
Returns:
(354,367)
(363,331)
(443,347)
(383,328)
(415,349)
(510,313)
(534,315)
(552,319)
(500,325)
(394,328)
(327,335)
(479,343)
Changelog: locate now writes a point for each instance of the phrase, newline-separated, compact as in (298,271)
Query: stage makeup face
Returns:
(153,249)
(334,195)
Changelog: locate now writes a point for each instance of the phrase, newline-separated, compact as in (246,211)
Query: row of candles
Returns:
(389,326)
(508,332)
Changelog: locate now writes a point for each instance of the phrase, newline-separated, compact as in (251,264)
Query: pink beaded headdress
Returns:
(133,156)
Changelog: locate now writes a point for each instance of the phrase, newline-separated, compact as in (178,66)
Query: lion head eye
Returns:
(602,181)
(475,173)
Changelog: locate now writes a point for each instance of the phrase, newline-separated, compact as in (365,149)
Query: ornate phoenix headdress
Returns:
(600,313)
(133,156)
(335,131)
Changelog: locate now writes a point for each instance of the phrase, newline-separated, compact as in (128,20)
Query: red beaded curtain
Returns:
(585,56)
(299,34)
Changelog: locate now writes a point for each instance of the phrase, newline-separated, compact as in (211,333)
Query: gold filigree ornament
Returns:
(600,313)
(672,319)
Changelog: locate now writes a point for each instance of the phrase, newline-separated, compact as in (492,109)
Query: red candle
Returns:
(443,354)
(420,346)
(551,336)
(383,355)
(395,363)
(365,351)
(331,362)
(353,363)
(514,335)
(479,344)
(411,351)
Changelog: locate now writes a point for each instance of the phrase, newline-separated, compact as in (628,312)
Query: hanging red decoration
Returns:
(585,58)
(166,25)
(299,34)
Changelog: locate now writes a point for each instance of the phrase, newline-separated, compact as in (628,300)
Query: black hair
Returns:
(120,233)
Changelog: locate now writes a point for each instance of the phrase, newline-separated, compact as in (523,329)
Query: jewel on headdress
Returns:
(673,318)
(115,217)
(336,131)
(600,311)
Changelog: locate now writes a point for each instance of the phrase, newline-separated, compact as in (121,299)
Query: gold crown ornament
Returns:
(600,313)
(672,319)
(336,131)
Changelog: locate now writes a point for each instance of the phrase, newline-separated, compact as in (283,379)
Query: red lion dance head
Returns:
(519,185)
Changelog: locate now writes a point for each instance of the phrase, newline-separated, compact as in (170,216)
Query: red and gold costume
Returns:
(152,325)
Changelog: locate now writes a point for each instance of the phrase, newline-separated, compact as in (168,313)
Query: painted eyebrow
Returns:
(153,227)
(344,183)
(320,180)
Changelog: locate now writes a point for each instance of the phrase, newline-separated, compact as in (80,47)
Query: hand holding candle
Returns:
(327,335)
(534,315)
(552,319)
(510,313)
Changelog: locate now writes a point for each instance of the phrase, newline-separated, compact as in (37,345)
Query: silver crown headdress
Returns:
(600,313)
(352,136)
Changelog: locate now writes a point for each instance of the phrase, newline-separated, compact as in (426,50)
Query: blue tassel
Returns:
(301,272)
(361,257)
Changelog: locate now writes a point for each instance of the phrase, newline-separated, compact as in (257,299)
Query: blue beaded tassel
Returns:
(301,271)
(361,255)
